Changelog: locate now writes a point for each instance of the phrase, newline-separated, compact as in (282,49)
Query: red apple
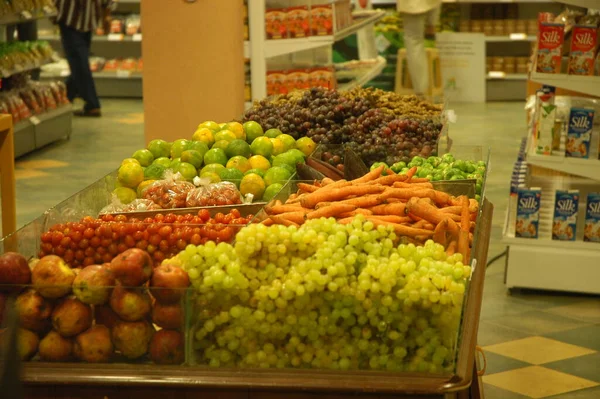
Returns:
(168,283)
(34,311)
(56,348)
(94,345)
(52,278)
(71,317)
(132,338)
(130,304)
(167,347)
(14,270)
(27,342)
(104,315)
(93,285)
(168,316)
(132,268)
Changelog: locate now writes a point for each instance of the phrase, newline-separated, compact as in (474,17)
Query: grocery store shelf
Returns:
(42,129)
(581,84)
(497,75)
(393,2)
(23,68)
(589,168)
(17,18)
(114,37)
(368,75)
(273,48)
(514,37)
(119,84)
(581,3)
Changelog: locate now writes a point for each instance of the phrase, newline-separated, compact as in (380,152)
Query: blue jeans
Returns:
(80,83)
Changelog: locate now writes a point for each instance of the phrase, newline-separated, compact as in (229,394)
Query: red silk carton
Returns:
(550,41)
(584,43)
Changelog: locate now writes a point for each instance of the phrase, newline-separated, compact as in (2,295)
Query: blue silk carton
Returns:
(528,212)
(579,133)
(564,225)
(591,231)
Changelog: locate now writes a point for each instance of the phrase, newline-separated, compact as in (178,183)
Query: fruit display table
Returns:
(7,176)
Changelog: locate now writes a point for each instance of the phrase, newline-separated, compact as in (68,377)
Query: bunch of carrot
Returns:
(409,205)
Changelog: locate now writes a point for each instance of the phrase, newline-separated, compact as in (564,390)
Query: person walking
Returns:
(419,18)
(76,20)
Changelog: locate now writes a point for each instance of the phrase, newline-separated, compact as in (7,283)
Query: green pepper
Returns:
(398,166)
(449,158)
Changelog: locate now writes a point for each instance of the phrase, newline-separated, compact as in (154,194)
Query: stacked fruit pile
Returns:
(95,241)
(378,126)
(97,313)
(258,162)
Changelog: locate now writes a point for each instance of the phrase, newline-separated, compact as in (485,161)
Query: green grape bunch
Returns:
(325,295)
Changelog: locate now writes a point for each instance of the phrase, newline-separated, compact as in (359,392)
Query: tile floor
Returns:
(537,345)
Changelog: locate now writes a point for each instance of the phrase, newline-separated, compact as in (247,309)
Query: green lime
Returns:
(130,160)
(272,133)
(159,148)
(187,170)
(306,145)
(259,172)
(237,129)
(204,135)
(164,161)
(154,172)
(232,175)
(213,177)
(299,155)
(178,147)
(222,144)
(213,126)
(215,155)
(288,141)
(262,146)
(226,135)
(143,186)
(144,157)
(271,191)
(130,175)
(253,130)
(259,162)
(125,194)
(199,146)
(277,174)
(238,147)
(252,184)
(193,157)
(175,164)
(213,167)
(240,163)
(278,146)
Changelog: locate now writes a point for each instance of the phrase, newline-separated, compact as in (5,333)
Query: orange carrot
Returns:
(372,175)
(357,211)
(309,188)
(439,234)
(326,181)
(451,249)
(346,220)
(465,223)
(395,208)
(455,210)
(295,217)
(422,209)
(325,194)
(387,180)
(411,172)
(279,219)
(417,180)
(402,184)
(267,222)
(402,229)
(402,193)
(274,210)
(363,202)
(331,210)
(390,218)
(453,229)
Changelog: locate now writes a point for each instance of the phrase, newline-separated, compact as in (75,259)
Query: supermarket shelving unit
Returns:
(38,130)
(111,84)
(258,49)
(549,264)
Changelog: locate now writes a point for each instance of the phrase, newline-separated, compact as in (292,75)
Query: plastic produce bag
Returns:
(138,204)
(222,193)
(171,192)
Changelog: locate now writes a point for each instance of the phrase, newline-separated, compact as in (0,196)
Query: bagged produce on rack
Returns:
(136,205)
(31,101)
(171,192)
(222,193)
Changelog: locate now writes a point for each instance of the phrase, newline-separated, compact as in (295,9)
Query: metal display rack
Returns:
(259,49)
(38,130)
(540,263)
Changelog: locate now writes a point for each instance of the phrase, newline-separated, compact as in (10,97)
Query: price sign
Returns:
(518,36)
(35,120)
(123,74)
(115,37)
(496,74)
(137,37)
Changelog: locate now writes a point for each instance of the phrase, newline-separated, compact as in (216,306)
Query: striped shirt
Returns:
(82,15)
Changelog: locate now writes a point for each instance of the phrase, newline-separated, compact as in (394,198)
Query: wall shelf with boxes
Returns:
(289,48)
(552,226)
(116,63)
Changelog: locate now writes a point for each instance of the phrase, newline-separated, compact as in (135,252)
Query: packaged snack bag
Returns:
(298,21)
(550,41)
(276,83)
(584,43)
(528,212)
(591,230)
(321,17)
(276,23)
(579,133)
(564,225)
